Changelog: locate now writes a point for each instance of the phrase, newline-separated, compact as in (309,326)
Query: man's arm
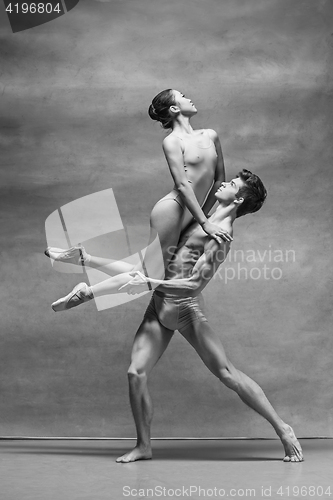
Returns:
(203,271)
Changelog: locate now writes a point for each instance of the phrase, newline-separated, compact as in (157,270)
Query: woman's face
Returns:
(185,104)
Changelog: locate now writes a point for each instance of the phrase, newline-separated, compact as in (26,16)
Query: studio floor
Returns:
(86,469)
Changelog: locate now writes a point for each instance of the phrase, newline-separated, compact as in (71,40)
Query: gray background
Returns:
(74,98)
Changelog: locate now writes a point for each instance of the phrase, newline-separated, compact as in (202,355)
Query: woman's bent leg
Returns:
(166,223)
(166,220)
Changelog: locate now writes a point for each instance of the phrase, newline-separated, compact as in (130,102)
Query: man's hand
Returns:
(138,284)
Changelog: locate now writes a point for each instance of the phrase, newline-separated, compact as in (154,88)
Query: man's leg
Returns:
(209,347)
(150,342)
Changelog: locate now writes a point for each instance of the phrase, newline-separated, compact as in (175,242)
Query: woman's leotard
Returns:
(192,158)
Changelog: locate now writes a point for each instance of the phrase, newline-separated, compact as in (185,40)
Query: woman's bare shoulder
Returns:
(171,141)
(212,133)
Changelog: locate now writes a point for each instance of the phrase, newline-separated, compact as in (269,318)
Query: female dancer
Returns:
(196,164)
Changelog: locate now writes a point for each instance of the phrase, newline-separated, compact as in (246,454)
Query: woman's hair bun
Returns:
(160,106)
(152,113)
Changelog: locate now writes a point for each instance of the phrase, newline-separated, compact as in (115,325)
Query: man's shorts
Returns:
(174,312)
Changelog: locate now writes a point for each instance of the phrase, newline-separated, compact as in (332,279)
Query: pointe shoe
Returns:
(81,293)
(74,255)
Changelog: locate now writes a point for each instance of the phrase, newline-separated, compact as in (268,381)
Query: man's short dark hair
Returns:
(254,193)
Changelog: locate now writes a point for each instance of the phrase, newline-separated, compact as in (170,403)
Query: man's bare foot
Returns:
(292,447)
(138,453)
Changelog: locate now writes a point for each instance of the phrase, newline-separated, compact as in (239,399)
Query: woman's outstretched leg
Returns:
(78,255)
(166,226)
(82,292)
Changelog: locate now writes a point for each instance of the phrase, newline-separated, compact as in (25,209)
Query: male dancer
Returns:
(177,304)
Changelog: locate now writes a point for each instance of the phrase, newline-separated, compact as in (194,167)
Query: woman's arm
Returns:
(219,173)
(174,156)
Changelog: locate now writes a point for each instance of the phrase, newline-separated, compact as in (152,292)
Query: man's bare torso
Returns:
(191,246)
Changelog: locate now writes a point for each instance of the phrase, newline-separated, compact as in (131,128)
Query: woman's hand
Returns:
(216,232)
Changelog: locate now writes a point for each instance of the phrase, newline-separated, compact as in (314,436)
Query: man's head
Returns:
(246,192)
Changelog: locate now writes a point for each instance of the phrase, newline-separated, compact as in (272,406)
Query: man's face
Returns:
(185,104)
(227,192)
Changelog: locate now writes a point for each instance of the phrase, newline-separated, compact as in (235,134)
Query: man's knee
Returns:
(228,378)
(136,376)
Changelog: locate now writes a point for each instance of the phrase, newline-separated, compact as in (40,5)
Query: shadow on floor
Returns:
(213,450)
